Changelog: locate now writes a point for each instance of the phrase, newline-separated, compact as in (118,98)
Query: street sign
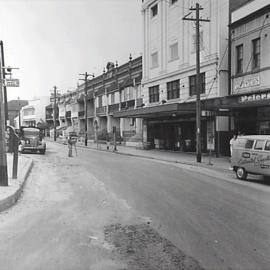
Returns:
(11,82)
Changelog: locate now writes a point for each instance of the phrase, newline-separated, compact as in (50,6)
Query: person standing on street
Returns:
(233,139)
(69,146)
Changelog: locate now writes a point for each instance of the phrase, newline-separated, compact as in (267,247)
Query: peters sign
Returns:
(254,97)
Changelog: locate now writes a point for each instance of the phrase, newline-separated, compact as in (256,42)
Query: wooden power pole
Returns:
(54,112)
(3,154)
(4,86)
(198,81)
(86,75)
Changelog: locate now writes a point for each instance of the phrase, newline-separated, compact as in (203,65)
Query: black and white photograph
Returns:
(134,134)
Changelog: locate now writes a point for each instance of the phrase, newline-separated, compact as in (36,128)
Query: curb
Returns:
(204,165)
(12,199)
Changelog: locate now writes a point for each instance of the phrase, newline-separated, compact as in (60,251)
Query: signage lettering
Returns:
(254,97)
(12,82)
(248,82)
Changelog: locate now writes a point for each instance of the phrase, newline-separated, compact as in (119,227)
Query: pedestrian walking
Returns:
(69,146)
(108,141)
(74,141)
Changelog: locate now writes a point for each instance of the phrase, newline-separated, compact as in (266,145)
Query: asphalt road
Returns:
(221,222)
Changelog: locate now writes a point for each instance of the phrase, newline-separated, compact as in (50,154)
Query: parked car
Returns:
(251,154)
(31,140)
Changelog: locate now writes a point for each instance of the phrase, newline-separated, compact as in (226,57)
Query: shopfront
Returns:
(176,134)
(173,127)
(251,113)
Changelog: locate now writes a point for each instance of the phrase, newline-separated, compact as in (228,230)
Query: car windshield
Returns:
(31,132)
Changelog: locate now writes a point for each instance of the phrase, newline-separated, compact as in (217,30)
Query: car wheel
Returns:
(241,173)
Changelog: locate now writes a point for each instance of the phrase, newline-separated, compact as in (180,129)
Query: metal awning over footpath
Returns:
(217,106)
(173,109)
(158,111)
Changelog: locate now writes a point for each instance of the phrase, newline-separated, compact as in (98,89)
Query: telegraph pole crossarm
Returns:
(198,80)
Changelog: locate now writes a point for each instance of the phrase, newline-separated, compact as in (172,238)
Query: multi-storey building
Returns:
(34,113)
(117,89)
(169,73)
(250,58)
(14,107)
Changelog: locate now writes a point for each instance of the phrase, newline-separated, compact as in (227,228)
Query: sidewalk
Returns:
(221,163)
(10,194)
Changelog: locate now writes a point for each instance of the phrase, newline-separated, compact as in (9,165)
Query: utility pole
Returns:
(86,75)
(198,83)
(54,112)
(3,154)
(4,86)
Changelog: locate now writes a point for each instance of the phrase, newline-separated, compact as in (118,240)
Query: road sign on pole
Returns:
(11,82)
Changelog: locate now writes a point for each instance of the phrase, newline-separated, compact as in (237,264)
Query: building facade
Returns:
(169,74)
(117,89)
(14,107)
(34,113)
(250,52)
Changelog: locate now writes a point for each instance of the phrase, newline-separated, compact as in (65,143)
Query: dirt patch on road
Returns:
(144,249)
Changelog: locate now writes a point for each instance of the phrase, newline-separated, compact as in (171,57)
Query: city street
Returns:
(100,210)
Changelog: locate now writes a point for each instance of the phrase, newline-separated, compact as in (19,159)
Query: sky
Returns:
(52,41)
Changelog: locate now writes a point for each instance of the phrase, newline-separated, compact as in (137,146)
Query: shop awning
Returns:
(158,111)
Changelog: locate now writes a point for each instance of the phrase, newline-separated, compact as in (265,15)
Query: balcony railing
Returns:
(123,105)
(113,108)
(127,104)
(101,110)
(81,114)
(68,114)
(131,103)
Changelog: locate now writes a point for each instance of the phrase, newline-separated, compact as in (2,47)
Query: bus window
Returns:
(249,144)
(259,145)
(267,146)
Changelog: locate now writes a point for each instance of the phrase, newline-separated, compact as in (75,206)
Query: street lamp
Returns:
(86,75)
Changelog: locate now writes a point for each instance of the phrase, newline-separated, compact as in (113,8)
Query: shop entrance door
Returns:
(246,121)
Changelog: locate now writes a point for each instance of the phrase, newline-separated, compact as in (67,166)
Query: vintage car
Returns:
(31,140)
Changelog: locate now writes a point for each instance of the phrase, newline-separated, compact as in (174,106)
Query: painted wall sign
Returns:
(254,97)
(246,82)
